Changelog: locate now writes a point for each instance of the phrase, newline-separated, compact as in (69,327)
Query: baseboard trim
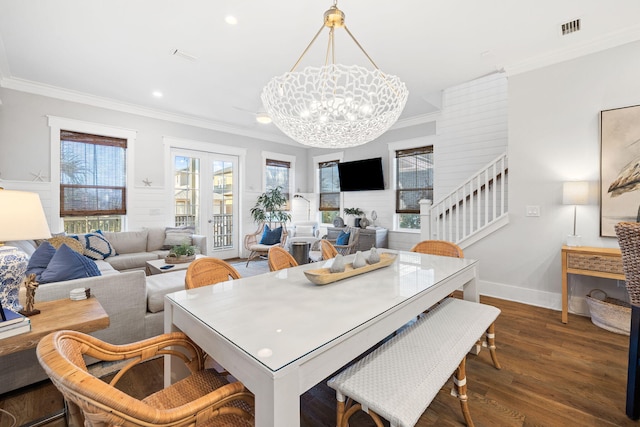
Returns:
(544,299)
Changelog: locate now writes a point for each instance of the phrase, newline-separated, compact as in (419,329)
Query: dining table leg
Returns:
(278,401)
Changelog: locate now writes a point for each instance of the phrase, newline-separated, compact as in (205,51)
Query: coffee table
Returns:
(155,266)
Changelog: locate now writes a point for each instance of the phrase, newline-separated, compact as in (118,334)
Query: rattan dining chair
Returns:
(280,258)
(438,247)
(207,271)
(629,240)
(203,398)
(328,250)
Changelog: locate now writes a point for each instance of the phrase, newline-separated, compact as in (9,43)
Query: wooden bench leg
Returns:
(491,344)
(460,391)
(346,410)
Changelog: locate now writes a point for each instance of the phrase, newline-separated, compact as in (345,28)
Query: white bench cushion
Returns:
(399,379)
(158,285)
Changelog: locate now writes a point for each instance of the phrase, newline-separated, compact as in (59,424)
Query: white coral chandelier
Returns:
(334,106)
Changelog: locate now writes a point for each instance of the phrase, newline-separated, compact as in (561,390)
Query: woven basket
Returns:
(179,260)
(610,313)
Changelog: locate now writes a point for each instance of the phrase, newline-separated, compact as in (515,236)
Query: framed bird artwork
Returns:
(619,167)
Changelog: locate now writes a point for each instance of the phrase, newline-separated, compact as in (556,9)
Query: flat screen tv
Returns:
(361,175)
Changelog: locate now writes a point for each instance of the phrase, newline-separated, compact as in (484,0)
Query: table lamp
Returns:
(575,193)
(21,218)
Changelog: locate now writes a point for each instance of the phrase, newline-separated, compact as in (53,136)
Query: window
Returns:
(92,182)
(414,181)
(329,191)
(277,175)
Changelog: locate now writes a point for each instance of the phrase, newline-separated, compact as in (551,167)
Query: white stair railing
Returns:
(472,208)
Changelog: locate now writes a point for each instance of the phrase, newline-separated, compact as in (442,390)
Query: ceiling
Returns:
(116,53)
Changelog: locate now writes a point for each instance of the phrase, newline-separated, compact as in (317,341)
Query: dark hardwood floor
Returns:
(553,375)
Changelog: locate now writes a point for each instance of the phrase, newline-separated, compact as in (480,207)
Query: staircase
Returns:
(470,212)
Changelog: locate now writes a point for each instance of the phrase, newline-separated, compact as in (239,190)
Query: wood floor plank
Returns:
(553,374)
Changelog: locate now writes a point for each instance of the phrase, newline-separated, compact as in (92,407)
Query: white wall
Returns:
(25,152)
(554,137)
(472,131)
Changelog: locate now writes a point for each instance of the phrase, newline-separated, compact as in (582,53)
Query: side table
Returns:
(588,261)
(84,316)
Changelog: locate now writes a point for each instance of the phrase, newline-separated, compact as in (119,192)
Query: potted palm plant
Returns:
(269,208)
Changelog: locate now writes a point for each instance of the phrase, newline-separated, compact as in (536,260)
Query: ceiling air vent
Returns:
(570,27)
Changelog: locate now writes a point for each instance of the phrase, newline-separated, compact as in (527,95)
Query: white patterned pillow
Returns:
(96,246)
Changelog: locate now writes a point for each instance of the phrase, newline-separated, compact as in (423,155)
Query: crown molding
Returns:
(612,40)
(95,101)
(417,120)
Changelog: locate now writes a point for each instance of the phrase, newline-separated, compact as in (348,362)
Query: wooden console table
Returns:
(588,261)
(84,316)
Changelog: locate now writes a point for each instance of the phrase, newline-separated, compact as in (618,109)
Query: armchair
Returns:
(349,248)
(202,396)
(306,231)
(254,242)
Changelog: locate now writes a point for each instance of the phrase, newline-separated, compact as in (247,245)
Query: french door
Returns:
(205,196)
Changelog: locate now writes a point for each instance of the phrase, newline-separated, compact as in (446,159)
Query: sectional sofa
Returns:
(133,301)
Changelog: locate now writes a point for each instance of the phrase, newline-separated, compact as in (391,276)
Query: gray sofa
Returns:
(133,301)
(135,248)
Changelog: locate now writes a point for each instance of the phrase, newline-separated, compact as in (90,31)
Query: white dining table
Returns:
(281,335)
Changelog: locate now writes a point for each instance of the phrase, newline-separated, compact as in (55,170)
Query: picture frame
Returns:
(619,167)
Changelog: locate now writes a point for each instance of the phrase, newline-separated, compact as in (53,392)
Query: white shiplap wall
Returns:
(472,130)
(44,191)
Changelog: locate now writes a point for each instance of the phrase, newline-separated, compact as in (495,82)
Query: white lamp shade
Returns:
(575,193)
(22,216)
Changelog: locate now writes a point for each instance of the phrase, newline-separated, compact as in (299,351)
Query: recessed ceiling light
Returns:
(263,118)
(157,94)
(231,20)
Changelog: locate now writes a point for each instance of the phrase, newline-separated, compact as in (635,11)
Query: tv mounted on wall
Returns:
(361,175)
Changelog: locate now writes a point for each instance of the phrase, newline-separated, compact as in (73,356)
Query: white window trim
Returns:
(339,156)
(56,124)
(404,145)
(207,147)
(282,157)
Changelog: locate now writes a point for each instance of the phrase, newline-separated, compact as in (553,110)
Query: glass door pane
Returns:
(186,191)
(223,224)
(205,189)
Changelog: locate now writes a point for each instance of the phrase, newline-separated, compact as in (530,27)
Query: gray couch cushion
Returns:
(130,261)
(155,238)
(105,268)
(128,242)
(158,285)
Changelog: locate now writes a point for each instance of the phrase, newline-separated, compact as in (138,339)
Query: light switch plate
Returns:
(533,211)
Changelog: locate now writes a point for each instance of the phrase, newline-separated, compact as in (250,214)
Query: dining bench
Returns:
(398,380)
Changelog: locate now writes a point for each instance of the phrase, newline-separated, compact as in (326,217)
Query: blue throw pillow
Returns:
(271,237)
(343,238)
(40,258)
(68,264)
